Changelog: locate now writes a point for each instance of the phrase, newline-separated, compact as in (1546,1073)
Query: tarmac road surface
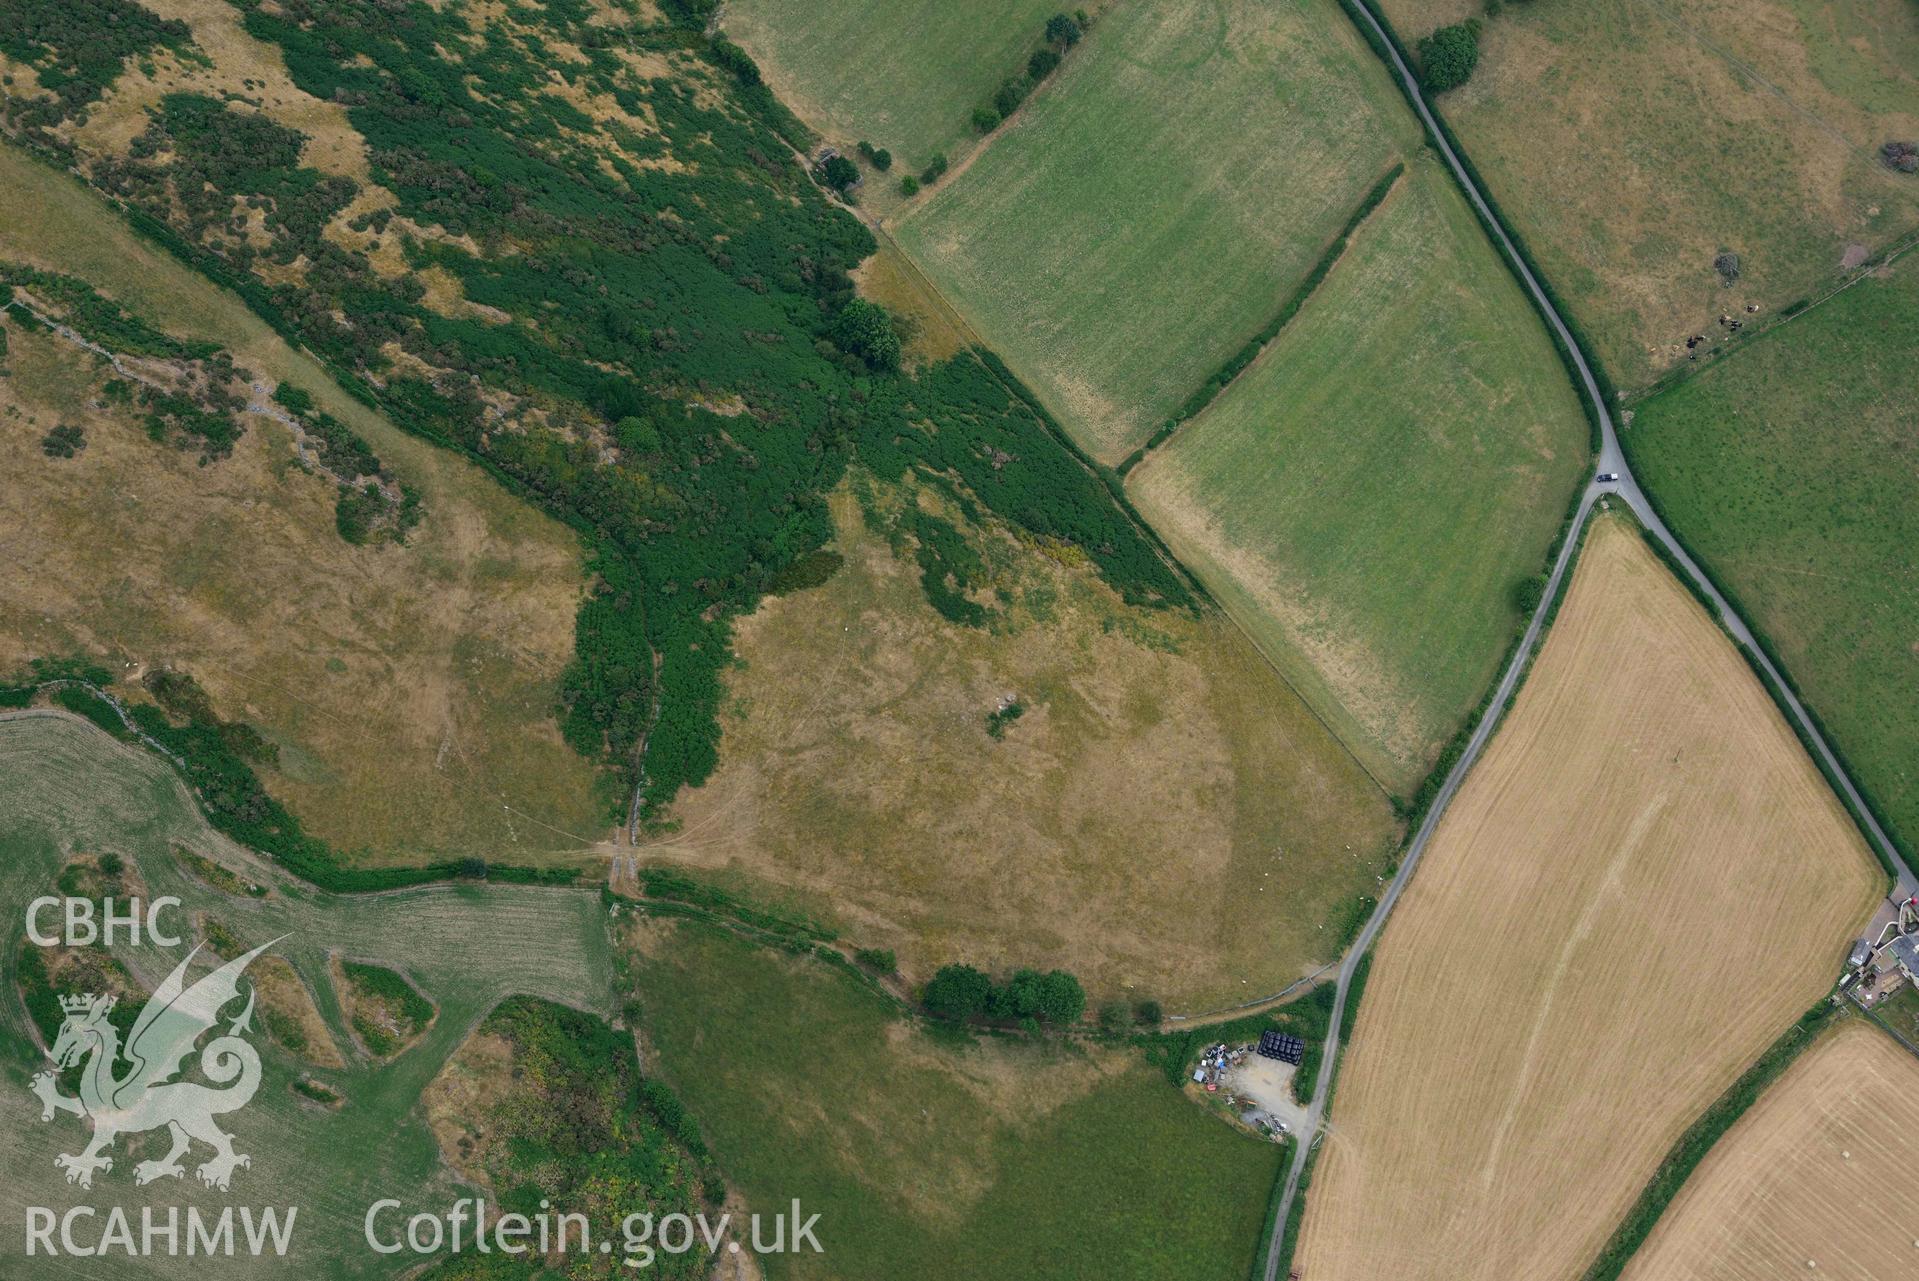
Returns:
(1612,459)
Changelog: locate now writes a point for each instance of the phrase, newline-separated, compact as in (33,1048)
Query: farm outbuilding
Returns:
(1283,1046)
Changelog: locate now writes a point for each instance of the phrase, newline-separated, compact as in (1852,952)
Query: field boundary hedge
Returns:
(1356,11)
(1106,476)
(1236,364)
(1700,1138)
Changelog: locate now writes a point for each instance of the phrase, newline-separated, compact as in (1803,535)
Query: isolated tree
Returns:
(1023,997)
(1447,56)
(866,330)
(1061,999)
(1528,592)
(957,992)
(839,173)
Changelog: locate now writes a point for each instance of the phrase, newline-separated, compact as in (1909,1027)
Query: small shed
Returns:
(1283,1046)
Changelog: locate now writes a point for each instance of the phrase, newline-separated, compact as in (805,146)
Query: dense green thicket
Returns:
(1447,56)
(97,318)
(398,999)
(960,993)
(78,50)
(575,1128)
(64,441)
(639,296)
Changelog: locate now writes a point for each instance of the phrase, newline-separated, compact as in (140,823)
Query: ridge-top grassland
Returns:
(408,688)
(929,1155)
(1815,1179)
(1632,141)
(67,788)
(1366,497)
(1163,817)
(904,77)
(1792,467)
(1149,211)
(1575,973)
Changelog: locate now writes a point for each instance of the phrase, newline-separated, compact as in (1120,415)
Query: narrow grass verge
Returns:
(1699,1139)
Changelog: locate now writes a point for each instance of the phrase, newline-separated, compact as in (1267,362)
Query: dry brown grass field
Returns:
(410,689)
(1639,887)
(1816,1180)
(1632,140)
(1166,817)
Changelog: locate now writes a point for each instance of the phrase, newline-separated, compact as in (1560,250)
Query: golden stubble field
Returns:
(1820,1171)
(1164,819)
(1640,886)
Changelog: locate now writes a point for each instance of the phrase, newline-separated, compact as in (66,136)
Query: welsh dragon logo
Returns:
(144,1097)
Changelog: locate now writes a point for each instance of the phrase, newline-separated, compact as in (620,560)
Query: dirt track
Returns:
(1640,885)
(1820,1170)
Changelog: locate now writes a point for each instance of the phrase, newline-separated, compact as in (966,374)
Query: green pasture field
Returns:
(1792,469)
(905,77)
(1150,210)
(1631,141)
(1901,1014)
(1367,495)
(931,1155)
(66,787)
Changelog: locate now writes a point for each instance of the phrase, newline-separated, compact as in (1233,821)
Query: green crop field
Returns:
(1792,468)
(905,77)
(66,787)
(1633,141)
(928,1156)
(1366,496)
(1154,206)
